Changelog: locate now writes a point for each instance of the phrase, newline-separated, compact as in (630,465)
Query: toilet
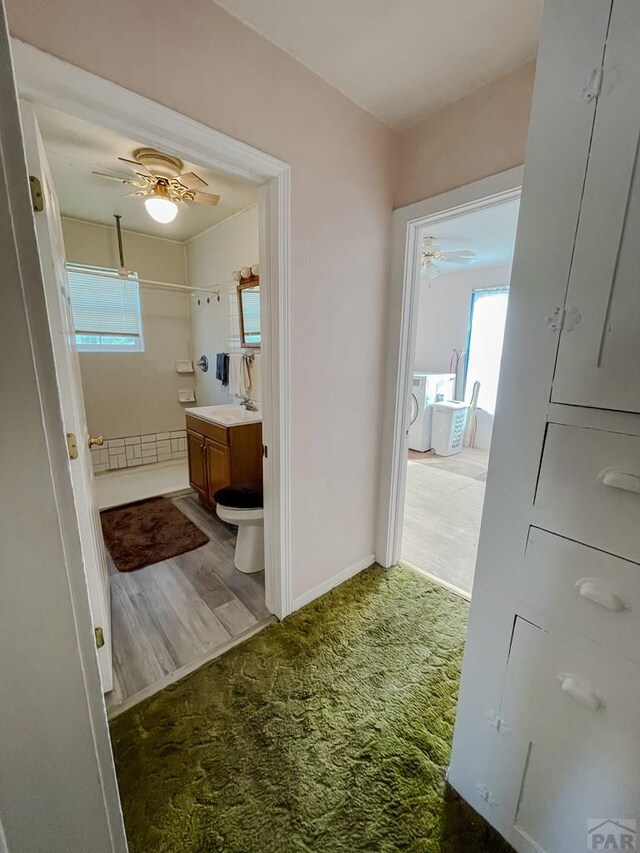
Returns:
(242,505)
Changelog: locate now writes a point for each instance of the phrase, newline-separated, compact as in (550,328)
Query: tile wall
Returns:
(133,450)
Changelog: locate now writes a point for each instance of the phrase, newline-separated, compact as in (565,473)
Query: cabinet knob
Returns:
(593,590)
(580,690)
(616,478)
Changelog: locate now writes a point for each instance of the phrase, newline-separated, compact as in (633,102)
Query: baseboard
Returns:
(336,580)
(439,581)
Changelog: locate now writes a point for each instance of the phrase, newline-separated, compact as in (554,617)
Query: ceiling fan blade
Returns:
(123,179)
(463,257)
(206,198)
(137,167)
(192,181)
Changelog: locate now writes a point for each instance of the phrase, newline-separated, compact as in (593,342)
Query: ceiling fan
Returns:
(159,179)
(432,255)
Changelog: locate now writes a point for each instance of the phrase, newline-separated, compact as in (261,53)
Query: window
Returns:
(484,350)
(106,311)
(234,319)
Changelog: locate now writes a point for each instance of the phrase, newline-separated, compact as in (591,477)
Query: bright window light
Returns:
(106,310)
(484,351)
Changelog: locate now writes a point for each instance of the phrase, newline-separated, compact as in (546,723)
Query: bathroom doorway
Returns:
(455,295)
(172,614)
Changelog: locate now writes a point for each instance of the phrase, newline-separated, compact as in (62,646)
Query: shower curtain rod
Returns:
(211,289)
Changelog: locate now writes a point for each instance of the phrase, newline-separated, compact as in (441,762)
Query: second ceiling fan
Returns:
(160,180)
(432,256)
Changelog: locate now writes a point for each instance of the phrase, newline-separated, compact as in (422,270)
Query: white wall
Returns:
(443,325)
(129,394)
(211,258)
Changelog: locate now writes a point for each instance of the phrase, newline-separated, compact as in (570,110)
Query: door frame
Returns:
(52,82)
(407,224)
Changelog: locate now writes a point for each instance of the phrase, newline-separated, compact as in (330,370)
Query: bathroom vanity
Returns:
(224,448)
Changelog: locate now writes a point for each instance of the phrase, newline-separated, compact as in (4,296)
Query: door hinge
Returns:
(563,319)
(265,451)
(593,87)
(99,637)
(72,446)
(36,194)
(497,723)
(486,794)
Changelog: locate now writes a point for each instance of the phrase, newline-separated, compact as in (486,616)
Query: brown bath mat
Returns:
(149,531)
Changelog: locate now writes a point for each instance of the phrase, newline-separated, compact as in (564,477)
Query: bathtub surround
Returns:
(134,450)
(130,395)
(212,256)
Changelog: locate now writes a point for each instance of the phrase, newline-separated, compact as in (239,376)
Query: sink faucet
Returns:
(248,405)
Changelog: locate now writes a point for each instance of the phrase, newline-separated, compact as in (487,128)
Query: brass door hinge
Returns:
(36,194)
(72,446)
(99,637)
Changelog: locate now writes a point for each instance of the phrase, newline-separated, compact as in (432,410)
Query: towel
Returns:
(247,361)
(222,367)
(238,372)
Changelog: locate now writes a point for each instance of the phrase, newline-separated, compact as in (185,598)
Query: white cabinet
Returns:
(599,352)
(546,736)
(589,488)
(570,750)
(563,583)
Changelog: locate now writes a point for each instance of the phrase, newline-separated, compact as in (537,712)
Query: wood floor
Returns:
(173,615)
(443,509)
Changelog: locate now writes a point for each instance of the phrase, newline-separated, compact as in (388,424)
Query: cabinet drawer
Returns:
(206,428)
(589,591)
(562,763)
(586,489)
(576,698)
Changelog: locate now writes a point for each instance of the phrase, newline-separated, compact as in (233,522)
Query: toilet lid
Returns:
(241,496)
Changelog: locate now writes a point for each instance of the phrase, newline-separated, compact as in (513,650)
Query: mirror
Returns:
(249,310)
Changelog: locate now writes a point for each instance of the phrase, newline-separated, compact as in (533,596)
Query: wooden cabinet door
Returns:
(218,467)
(197,467)
(599,353)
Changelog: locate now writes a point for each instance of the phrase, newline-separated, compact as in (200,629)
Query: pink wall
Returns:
(202,62)
(477,136)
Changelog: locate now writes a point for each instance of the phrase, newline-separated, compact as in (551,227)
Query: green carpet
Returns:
(327,733)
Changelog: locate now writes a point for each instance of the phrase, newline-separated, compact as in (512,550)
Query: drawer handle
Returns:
(580,690)
(615,478)
(594,591)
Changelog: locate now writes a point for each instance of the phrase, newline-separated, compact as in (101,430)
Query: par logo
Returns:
(611,834)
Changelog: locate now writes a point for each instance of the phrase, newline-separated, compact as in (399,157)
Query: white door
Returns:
(599,355)
(52,259)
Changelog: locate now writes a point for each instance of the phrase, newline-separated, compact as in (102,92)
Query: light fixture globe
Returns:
(161,209)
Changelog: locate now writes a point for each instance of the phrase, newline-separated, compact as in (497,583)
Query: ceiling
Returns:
(400,60)
(75,148)
(490,233)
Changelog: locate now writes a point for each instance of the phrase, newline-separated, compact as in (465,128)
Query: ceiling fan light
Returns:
(163,210)
(431,270)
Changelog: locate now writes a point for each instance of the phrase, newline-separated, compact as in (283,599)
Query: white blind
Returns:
(251,313)
(101,305)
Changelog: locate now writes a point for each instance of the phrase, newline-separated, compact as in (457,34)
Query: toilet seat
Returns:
(242,506)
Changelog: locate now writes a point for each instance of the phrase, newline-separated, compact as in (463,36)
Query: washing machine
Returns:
(427,388)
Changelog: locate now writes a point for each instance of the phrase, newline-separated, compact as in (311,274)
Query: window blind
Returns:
(104,306)
(251,315)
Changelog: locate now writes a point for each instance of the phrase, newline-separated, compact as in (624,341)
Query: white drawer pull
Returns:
(615,478)
(594,591)
(581,691)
